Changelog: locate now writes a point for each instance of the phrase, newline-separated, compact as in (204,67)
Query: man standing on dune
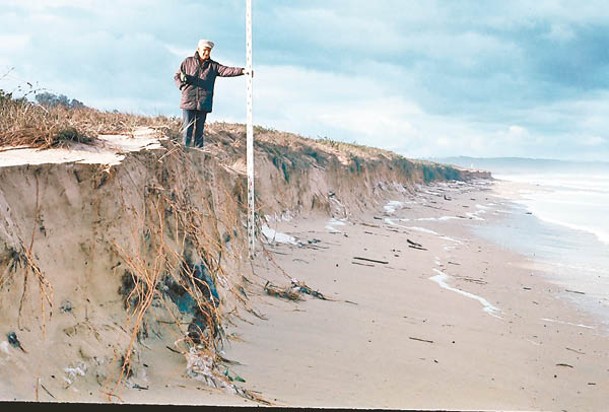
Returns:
(196,78)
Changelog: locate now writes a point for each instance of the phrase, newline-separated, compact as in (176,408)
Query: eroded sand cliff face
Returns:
(111,273)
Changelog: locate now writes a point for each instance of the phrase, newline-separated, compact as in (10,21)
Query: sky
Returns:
(425,79)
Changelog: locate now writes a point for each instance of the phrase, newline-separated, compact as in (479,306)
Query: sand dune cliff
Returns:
(120,264)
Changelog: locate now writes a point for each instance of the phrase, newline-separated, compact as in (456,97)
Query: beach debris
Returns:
(66,306)
(421,340)
(576,351)
(370,260)
(280,253)
(473,280)
(14,341)
(200,365)
(303,288)
(363,264)
(438,208)
(286,293)
(172,349)
(241,290)
(228,361)
(566,365)
(47,391)
(369,225)
(415,245)
(233,378)
(311,244)
(205,283)
(292,292)
(194,292)
(575,291)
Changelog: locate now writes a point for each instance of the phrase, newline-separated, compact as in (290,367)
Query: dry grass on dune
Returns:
(23,123)
(55,121)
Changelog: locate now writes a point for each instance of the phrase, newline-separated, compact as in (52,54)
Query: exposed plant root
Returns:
(180,241)
(23,260)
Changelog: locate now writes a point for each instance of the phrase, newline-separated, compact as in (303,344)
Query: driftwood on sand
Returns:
(370,260)
(415,245)
(421,340)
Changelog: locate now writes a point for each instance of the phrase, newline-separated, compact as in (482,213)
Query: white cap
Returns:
(205,44)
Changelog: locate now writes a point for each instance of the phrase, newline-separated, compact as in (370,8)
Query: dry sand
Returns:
(458,324)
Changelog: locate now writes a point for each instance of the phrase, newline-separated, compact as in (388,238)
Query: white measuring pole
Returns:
(251,222)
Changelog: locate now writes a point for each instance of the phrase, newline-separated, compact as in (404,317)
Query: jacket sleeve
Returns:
(176,77)
(177,81)
(225,71)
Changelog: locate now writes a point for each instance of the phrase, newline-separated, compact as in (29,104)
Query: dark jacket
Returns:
(198,90)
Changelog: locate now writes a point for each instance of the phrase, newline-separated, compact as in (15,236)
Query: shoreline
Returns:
(405,340)
(572,260)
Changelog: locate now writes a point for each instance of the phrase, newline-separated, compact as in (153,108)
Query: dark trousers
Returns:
(194,121)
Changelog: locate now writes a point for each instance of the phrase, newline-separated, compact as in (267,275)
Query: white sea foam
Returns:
(475,215)
(422,230)
(331,225)
(575,201)
(450,239)
(441,278)
(286,216)
(436,219)
(272,236)
(393,206)
(579,325)
(73,372)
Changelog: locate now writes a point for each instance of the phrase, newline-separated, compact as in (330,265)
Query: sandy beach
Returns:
(420,314)
(401,304)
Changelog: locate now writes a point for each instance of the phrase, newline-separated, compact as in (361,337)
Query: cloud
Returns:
(595,141)
(11,44)
(560,33)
